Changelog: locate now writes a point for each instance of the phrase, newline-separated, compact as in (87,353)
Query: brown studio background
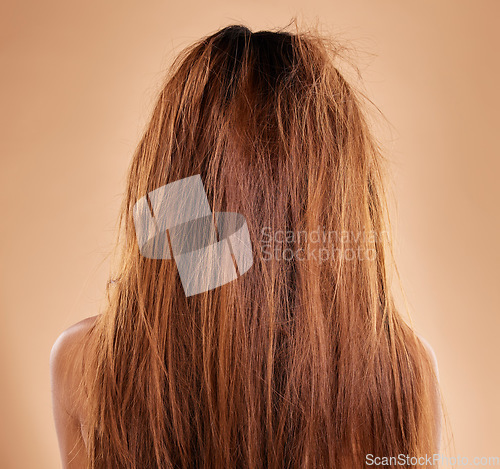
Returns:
(78,82)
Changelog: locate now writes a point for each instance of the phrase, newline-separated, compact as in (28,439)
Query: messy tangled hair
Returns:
(300,362)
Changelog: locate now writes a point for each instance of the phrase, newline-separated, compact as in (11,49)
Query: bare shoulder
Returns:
(66,373)
(431,354)
(68,341)
(73,333)
(65,360)
(438,414)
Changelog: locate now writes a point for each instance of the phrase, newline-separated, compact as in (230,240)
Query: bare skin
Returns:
(65,381)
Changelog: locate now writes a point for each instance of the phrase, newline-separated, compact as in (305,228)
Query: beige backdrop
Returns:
(78,80)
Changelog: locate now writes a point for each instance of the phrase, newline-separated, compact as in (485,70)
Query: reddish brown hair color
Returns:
(299,362)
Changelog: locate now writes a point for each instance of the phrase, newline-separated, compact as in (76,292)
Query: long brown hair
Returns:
(304,360)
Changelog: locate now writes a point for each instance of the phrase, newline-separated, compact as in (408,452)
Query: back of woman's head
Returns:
(303,360)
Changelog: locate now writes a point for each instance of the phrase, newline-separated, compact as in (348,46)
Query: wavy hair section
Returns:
(301,362)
